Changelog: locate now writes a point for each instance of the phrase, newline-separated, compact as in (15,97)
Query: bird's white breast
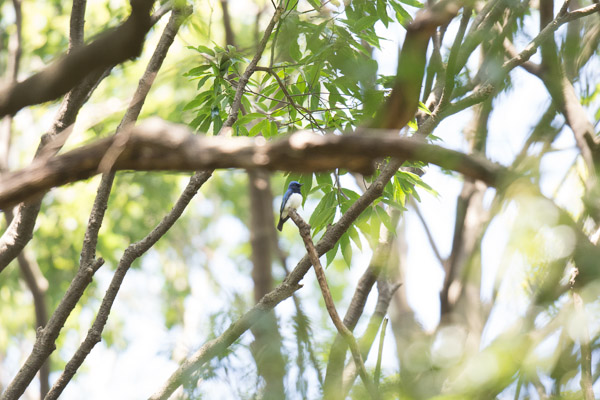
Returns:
(294,202)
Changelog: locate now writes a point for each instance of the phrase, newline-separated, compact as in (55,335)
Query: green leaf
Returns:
(244,119)
(331,253)
(258,128)
(204,127)
(346,248)
(316,4)
(197,102)
(402,15)
(424,108)
(197,121)
(205,50)
(246,103)
(385,218)
(399,194)
(274,129)
(382,12)
(324,213)
(197,71)
(324,178)
(414,3)
(306,180)
(353,233)
(202,81)
(294,50)
(315,99)
(216,119)
(365,22)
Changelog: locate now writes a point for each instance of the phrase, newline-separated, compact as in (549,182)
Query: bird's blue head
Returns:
(295,186)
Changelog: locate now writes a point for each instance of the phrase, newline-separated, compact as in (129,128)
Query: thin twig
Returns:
(432,243)
(546,33)
(245,77)
(304,229)
(380,352)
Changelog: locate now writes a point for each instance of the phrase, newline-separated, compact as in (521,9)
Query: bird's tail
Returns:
(280,224)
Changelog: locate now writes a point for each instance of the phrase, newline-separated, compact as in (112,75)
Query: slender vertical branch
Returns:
(304,229)
(380,351)
(229,35)
(245,77)
(37,285)
(586,351)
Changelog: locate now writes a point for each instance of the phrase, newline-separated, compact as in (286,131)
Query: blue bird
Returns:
(292,199)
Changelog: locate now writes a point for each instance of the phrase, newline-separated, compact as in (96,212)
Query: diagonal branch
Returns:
(546,34)
(290,284)
(113,47)
(20,230)
(304,229)
(100,204)
(46,337)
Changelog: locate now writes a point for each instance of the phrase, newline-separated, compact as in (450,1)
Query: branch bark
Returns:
(20,231)
(88,252)
(158,145)
(46,337)
(113,47)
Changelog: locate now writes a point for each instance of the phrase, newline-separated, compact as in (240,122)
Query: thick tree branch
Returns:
(158,145)
(113,47)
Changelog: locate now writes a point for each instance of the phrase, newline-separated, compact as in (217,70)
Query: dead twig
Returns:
(304,229)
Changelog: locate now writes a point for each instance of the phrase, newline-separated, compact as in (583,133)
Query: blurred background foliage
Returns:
(509,335)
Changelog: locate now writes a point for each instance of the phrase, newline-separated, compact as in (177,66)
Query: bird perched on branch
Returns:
(292,199)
